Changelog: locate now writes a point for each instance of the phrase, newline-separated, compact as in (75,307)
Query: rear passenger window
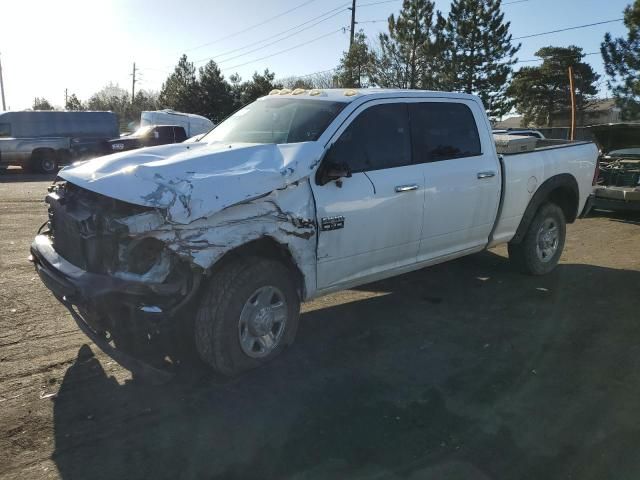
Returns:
(165,134)
(180,135)
(378,138)
(5,130)
(442,131)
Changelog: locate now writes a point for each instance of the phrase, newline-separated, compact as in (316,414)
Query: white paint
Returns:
(212,198)
(195,180)
(193,124)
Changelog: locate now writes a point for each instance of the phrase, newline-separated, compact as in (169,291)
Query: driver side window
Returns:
(377,139)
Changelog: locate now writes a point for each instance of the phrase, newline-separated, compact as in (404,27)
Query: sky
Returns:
(82,45)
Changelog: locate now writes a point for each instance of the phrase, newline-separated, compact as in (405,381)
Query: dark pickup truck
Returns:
(147,136)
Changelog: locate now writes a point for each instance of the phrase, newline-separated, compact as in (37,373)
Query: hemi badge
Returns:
(332,223)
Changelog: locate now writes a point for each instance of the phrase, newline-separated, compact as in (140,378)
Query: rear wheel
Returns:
(248,315)
(45,161)
(542,245)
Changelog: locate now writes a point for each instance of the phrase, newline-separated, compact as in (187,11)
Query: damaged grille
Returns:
(619,172)
(82,228)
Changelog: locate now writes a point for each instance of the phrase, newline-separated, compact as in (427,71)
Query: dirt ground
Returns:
(467,370)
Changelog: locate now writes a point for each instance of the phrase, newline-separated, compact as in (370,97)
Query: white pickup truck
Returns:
(298,194)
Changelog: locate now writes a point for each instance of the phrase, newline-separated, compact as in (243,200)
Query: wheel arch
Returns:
(265,247)
(63,155)
(42,150)
(561,190)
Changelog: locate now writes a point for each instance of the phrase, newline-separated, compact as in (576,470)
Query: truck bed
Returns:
(524,173)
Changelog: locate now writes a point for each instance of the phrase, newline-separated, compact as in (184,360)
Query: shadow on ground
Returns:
(465,371)
(14,175)
(632,218)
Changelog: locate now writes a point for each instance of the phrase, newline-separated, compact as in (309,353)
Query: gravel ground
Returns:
(466,370)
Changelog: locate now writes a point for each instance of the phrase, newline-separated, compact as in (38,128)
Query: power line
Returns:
(568,28)
(265,45)
(252,26)
(341,8)
(371,4)
(343,29)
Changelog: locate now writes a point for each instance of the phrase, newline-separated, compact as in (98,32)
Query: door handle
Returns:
(406,188)
(482,175)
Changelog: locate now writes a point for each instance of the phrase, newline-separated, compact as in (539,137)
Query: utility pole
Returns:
(353,22)
(4,107)
(133,83)
(66,96)
(573,104)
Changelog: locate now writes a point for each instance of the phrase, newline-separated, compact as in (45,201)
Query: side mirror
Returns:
(330,170)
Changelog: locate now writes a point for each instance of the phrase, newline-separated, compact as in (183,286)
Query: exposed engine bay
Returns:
(618,182)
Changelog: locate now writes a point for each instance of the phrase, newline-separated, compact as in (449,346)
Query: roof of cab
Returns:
(348,95)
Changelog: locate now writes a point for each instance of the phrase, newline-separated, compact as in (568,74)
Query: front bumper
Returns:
(109,310)
(97,291)
(617,198)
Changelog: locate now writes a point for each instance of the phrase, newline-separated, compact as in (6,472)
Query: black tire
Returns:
(45,162)
(526,255)
(217,330)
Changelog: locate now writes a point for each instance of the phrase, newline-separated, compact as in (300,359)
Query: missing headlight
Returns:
(145,260)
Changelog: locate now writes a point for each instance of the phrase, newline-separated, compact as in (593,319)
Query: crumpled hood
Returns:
(195,180)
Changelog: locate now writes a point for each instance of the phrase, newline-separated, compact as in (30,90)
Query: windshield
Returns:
(142,131)
(277,120)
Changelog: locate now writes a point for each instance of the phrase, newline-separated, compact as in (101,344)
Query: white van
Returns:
(193,124)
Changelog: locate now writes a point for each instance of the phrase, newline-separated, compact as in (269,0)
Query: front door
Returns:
(372,221)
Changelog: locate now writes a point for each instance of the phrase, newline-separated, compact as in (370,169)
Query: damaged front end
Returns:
(618,182)
(123,286)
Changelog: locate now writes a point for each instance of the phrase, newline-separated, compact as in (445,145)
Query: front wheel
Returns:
(540,249)
(247,316)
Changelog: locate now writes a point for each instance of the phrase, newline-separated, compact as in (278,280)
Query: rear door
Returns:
(462,175)
(372,221)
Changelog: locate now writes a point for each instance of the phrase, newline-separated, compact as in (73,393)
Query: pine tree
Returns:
(355,65)
(258,86)
(411,49)
(622,64)
(543,91)
(41,103)
(180,90)
(216,99)
(479,53)
(73,103)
